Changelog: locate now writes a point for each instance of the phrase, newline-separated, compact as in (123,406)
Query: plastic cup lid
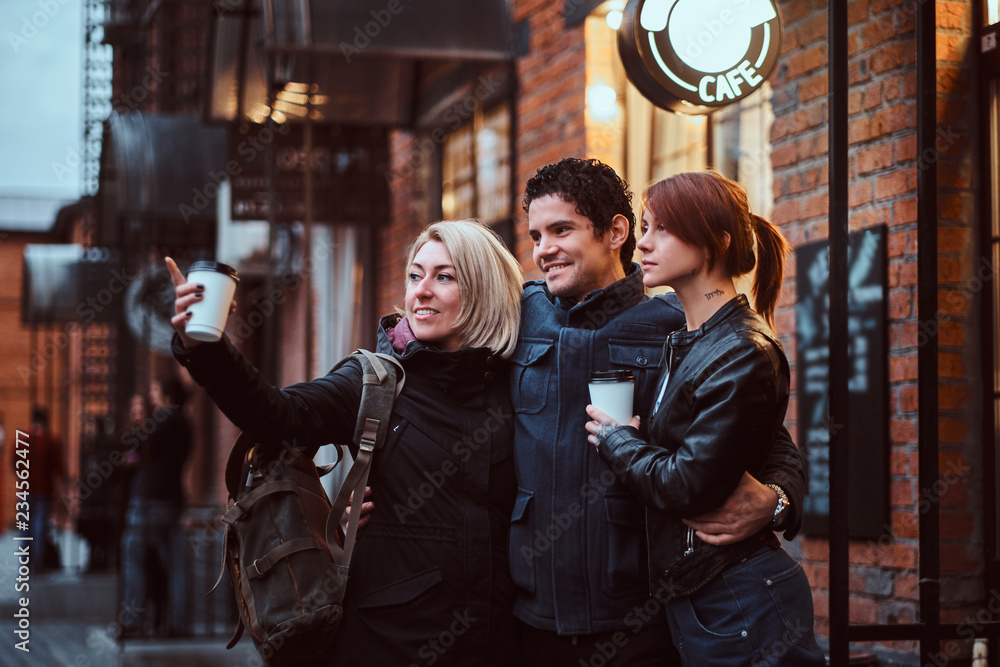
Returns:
(218,267)
(612,376)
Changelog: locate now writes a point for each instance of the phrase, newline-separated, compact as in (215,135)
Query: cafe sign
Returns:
(697,56)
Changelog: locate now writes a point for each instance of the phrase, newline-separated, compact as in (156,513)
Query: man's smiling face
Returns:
(573,260)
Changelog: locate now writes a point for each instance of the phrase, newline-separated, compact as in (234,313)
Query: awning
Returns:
(354,62)
(70,283)
(159,168)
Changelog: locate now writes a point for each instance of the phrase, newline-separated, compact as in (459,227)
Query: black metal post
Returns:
(927,355)
(839,395)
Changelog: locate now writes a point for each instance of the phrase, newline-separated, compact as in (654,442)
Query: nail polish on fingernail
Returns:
(198,294)
(188,314)
(200,286)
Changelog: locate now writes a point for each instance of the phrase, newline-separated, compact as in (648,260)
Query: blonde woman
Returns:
(429,580)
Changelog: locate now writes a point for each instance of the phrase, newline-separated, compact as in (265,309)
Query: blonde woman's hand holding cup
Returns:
(188,294)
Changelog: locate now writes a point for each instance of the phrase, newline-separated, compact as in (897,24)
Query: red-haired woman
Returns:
(719,403)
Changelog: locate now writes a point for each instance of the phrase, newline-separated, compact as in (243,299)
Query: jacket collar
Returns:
(685,337)
(616,297)
(467,363)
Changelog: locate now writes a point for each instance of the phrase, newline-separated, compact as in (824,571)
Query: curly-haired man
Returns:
(577,541)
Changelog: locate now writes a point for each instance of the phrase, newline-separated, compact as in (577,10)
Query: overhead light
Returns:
(602,100)
(293,87)
(293,109)
(294,98)
(278,117)
(614,19)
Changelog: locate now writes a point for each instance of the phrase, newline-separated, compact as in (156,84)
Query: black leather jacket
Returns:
(723,405)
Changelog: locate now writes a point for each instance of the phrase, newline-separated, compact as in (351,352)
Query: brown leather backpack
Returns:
(286,558)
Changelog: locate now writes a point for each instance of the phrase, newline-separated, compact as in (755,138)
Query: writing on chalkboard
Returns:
(866,375)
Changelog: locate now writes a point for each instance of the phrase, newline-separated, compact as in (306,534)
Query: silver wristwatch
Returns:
(782,508)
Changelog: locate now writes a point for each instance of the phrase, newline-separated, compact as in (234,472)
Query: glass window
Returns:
(476,168)
(741,147)
(679,144)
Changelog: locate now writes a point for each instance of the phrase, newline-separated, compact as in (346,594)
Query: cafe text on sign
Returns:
(696,56)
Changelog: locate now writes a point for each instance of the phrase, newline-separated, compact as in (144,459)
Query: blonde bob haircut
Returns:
(489,283)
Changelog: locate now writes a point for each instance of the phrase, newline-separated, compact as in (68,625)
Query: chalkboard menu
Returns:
(867,377)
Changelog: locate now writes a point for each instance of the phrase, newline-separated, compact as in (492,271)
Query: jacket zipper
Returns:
(689,537)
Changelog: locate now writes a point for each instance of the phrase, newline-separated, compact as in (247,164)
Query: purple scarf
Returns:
(400,335)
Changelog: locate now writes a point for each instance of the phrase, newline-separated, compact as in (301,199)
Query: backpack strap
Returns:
(383,379)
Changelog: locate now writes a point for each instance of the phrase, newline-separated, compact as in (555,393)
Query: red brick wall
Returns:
(23,365)
(883,172)
(550,107)
(549,126)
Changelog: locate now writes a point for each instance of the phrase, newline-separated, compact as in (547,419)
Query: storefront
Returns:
(465,101)
(573,97)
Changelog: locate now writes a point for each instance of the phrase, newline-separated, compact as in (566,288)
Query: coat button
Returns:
(641,361)
(488,375)
(489,359)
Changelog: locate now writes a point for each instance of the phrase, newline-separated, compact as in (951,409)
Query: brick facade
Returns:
(883,186)
(550,123)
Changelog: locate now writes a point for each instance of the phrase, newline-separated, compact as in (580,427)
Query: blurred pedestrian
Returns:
(46,476)
(155,505)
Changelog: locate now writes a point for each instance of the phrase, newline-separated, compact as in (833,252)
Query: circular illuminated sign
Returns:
(696,56)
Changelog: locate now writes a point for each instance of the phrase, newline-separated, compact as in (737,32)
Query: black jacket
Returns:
(722,408)
(429,580)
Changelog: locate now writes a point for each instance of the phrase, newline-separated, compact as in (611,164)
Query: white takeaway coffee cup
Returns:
(611,392)
(208,319)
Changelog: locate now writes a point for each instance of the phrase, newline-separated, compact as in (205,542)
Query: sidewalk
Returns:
(71,621)
(78,643)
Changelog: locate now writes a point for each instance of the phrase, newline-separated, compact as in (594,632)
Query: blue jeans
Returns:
(758,613)
(153,525)
(38,529)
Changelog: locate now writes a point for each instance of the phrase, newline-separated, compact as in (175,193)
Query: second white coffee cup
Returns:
(208,319)
(612,392)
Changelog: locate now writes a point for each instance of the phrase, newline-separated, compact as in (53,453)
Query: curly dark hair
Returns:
(598,192)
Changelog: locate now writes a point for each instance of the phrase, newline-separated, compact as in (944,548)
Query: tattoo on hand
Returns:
(711,295)
(604,430)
